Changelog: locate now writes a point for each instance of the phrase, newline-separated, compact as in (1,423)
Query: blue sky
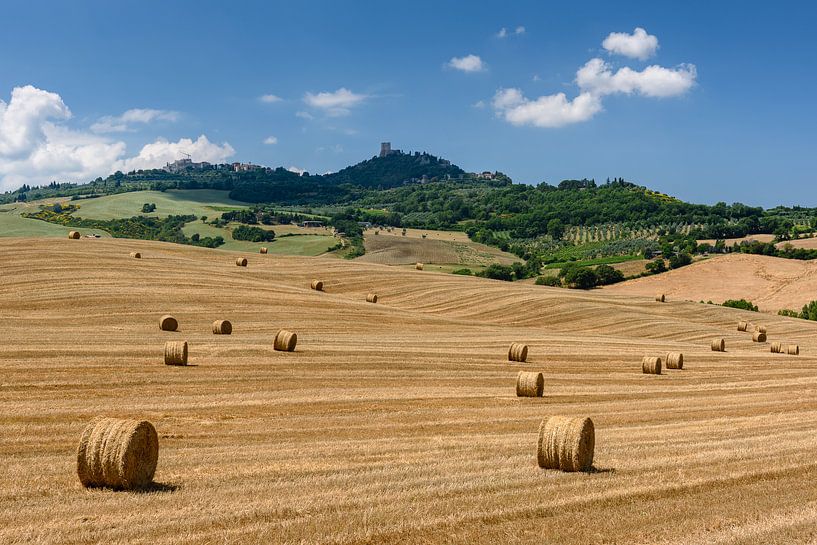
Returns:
(726,113)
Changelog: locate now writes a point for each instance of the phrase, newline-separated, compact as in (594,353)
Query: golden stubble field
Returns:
(771,283)
(391,423)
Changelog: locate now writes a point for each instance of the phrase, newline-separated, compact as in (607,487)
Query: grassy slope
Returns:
(199,202)
(12,224)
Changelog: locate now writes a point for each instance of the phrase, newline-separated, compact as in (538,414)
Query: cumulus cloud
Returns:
(271,140)
(160,152)
(546,111)
(638,45)
(654,81)
(519,30)
(125,122)
(468,63)
(270,99)
(597,79)
(335,103)
(37,146)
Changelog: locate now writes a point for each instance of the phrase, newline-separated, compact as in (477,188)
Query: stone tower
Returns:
(385,149)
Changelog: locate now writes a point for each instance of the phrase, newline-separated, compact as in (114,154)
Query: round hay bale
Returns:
(530,384)
(651,365)
(371,298)
(317,285)
(168,323)
(418,266)
(566,443)
(118,454)
(660,297)
(743,326)
(518,352)
(793,350)
(761,329)
(674,360)
(263,250)
(74,235)
(241,261)
(718,345)
(136,255)
(285,341)
(777,347)
(176,353)
(222,327)
(759,337)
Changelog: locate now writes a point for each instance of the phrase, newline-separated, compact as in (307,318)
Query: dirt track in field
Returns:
(391,423)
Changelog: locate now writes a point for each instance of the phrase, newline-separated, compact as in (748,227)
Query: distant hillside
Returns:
(395,170)
(771,283)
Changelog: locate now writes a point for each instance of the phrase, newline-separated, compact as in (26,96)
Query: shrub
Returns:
(809,311)
(253,234)
(548,281)
(679,260)
(497,272)
(581,278)
(742,304)
(606,275)
(788,312)
(464,272)
(656,266)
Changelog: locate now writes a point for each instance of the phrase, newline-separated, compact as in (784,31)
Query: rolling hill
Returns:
(771,283)
(392,422)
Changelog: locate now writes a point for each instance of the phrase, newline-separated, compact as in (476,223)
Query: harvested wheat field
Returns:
(390,423)
(771,283)
(391,249)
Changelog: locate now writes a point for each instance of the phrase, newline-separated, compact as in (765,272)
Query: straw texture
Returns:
(168,323)
(674,360)
(530,384)
(371,298)
(566,443)
(119,454)
(222,327)
(285,341)
(651,365)
(718,345)
(518,352)
(176,353)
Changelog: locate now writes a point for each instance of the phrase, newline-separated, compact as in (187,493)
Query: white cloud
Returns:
(304,115)
(37,147)
(479,105)
(596,79)
(125,122)
(546,111)
(297,170)
(335,103)
(270,99)
(654,81)
(469,63)
(503,32)
(270,140)
(160,152)
(638,45)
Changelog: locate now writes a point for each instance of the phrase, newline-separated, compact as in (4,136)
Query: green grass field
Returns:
(12,224)
(199,202)
(307,245)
